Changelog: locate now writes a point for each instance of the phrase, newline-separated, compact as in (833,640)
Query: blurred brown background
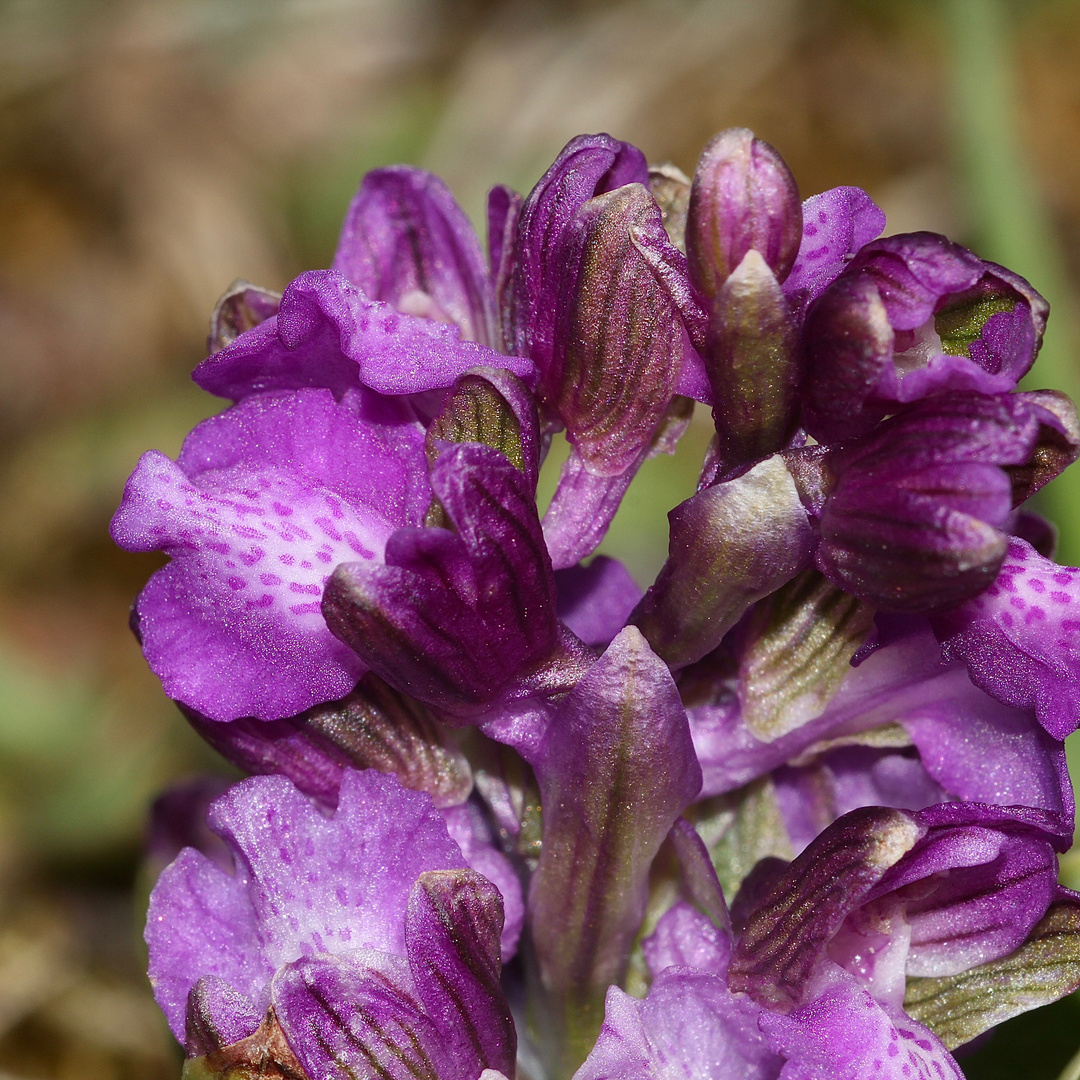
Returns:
(153,150)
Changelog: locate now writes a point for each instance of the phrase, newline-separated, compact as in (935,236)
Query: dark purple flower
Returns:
(916,511)
(354,938)
(914,315)
(462,619)
(597,300)
(261,505)
(743,198)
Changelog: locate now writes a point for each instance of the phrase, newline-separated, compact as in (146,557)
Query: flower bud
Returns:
(743,198)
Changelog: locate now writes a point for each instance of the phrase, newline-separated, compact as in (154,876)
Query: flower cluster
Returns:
(792,811)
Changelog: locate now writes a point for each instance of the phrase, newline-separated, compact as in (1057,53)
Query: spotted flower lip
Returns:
(261,505)
(914,315)
(373,907)
(1019,639)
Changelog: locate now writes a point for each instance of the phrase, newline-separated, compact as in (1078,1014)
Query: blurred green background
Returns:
(153,150)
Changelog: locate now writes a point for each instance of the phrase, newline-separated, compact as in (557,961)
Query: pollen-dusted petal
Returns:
(264,501)
(406,241)
(328,334)
(319,884)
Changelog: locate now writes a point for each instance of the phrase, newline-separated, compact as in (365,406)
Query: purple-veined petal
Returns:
(406,241)
(374,727)
(359,1016)
(777,956)
(470,832)
(743,199)
(493,407)
(328,334)
(455,619)
(1020,639)
(263,502)
(588,165)
(452,931)
(619,342)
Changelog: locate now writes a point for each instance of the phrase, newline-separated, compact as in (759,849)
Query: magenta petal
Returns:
(1021,638)
(217,1016)
(605,815)
(581,510)
(689,1025)
(588,165)
(406,241)
(844,1034)
(328,334)
(264,501)
(685,938)
(201,924)
(320,884)
(836,224)
(455,618)
(595,601)
(469,830)
(359,1016)
(452,930)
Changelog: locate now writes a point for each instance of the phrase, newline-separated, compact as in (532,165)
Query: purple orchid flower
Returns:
(408,306)
(916,513)
(914,315)
(263,502)
(462,619)
(339,943)
(596,300)
(811,984)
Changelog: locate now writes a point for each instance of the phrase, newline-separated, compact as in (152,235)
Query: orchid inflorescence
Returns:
(793,811)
